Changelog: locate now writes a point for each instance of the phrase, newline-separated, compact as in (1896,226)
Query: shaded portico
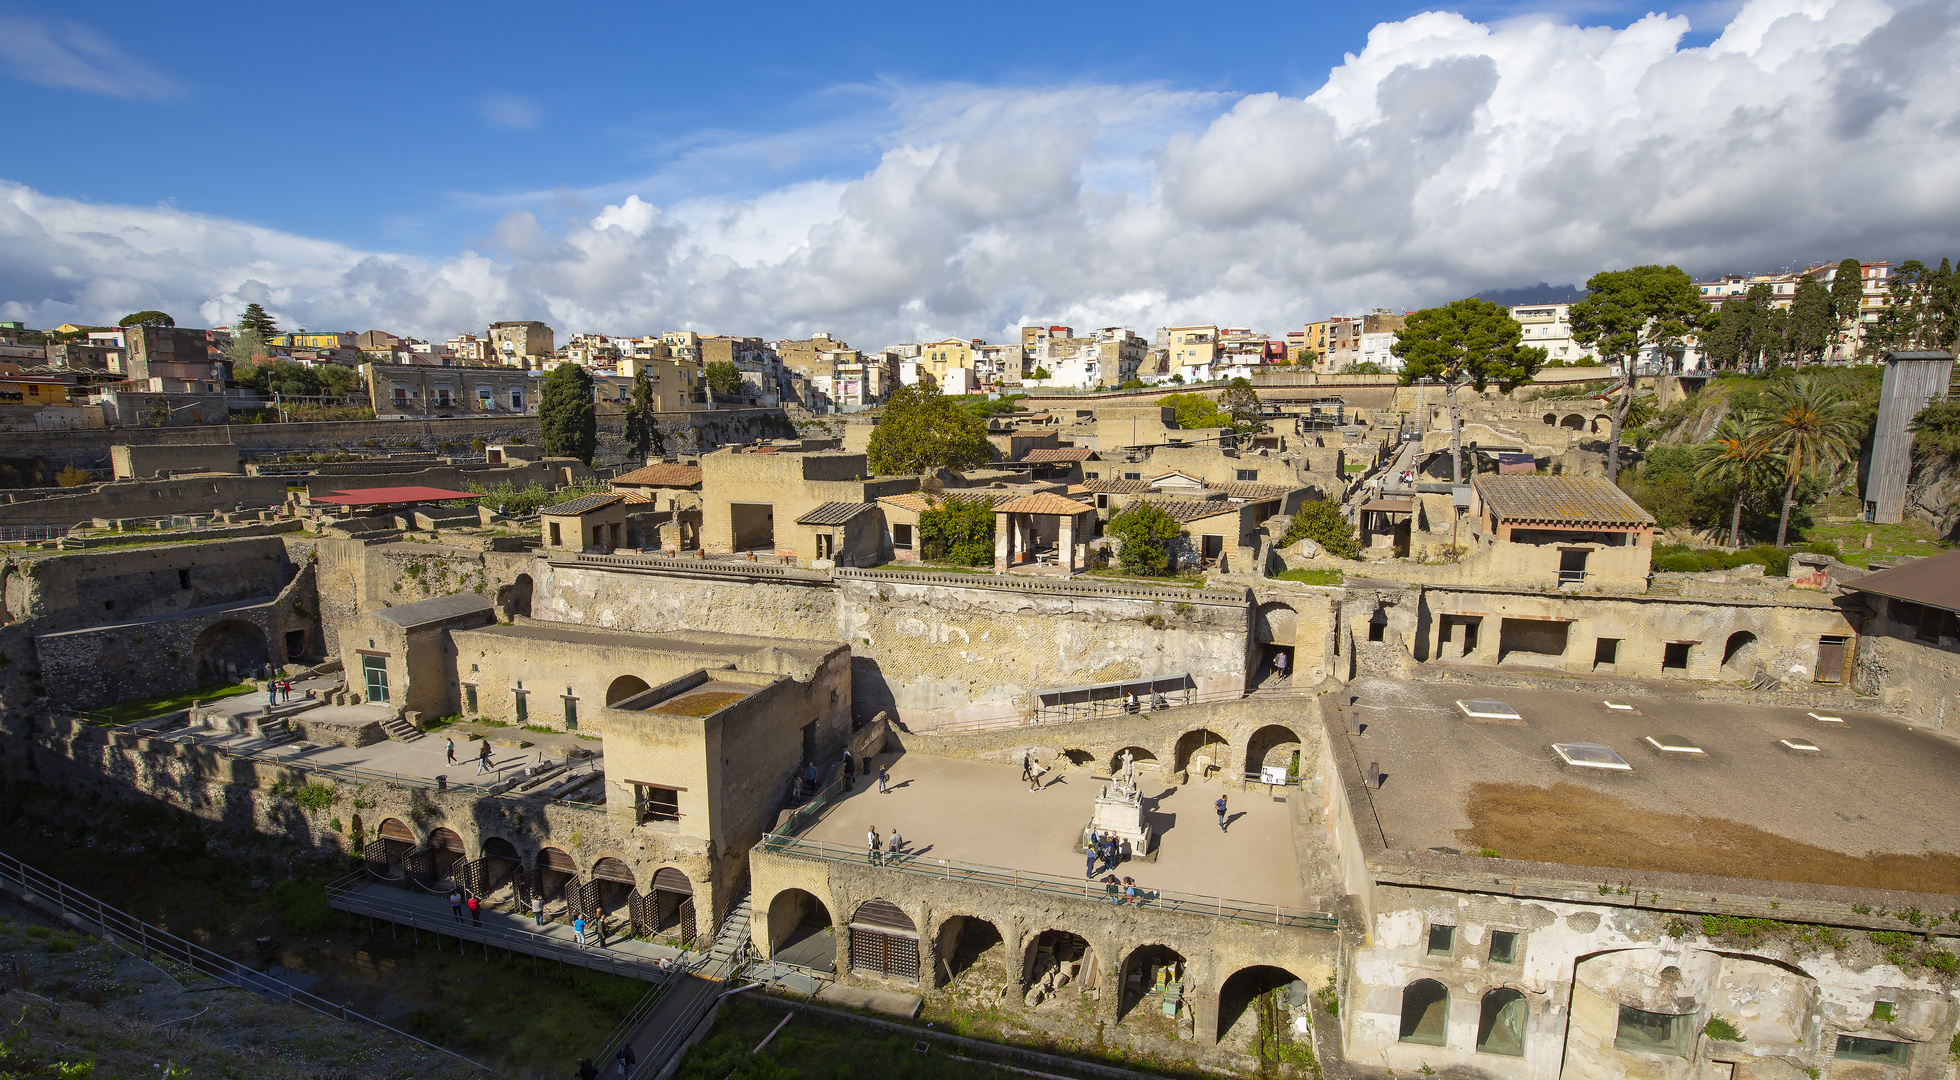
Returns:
(1043,524)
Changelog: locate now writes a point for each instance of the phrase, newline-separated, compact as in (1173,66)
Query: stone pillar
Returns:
(1203,1003)
(1003,541)
(1066,541)
(1014,946)
(1110,983)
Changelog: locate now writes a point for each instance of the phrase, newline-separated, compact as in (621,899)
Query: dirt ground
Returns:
(1570,824)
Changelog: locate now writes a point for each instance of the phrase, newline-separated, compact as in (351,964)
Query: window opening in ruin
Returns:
(295,644)
(1442,939)
(183,579)
(1503,947)
(374,670)
(1501,1023)
(1572,565)
(1425,1013)
(1606,651)
(902,537)
(810,741)
(1879,1051)
(1248,475)
(1213,546)
(469,699)
(1654,1033)
(654,802)
(1378,626)
(1675,656)
(556,539)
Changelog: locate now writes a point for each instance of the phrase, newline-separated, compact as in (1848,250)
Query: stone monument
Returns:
(1119,813)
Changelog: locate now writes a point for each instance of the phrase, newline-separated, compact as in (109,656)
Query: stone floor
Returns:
(980,812)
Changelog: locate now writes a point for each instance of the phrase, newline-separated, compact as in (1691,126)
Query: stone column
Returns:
(1066,541)
(1013,948)
(1003,541)
(1203,1003)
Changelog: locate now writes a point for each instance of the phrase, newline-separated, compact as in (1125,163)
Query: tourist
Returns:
(476,910)
(1034,776)
(1279,664)
(883,775)
(1129,890)
(452,750)
(483,759)
(271,694)
(850,772)
(285,690)
(627,1059)
(1220,807)
(587,1070)
(1110,853)
(1157,702)
(599,924)
(1131,704)
(1114,888)
(893,844)
(456,904)
(871,844)
(578,930)
(537,909)
(1094,848)
(1027,766)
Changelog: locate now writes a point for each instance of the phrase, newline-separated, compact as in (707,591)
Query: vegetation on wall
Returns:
(958,530)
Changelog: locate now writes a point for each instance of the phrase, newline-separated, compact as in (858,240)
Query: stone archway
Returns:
(514,599)
(1202,747)
(229,651)
(557,876)
(884,941)
(1274,744)
(973,948)
(670,905)
(1143,759)
(625,687)
(1244,996)
(446,849)
(616,892)
(1057,963)
(801,931)
(1573,421)
(502,866)
(1152,985)
(1739,655)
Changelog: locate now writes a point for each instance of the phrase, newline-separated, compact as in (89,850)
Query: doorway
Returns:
(753,526)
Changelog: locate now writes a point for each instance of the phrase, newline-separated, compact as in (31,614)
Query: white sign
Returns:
(1272,774)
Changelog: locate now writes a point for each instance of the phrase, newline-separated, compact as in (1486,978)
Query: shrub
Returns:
(1145,532)
(1722,1031)
(1322,522)
(958,530)
(70,476)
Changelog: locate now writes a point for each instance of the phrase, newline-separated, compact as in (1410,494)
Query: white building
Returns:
(1548,327)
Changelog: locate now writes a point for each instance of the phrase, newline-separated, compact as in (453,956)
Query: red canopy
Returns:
(387,496)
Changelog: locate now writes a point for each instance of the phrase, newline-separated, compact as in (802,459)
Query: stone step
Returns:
(400,730)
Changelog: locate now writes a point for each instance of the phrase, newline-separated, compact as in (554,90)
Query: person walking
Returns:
(627,1059)
(456,904)
(537,909)
(1220,807)
(850,772)
(578,930)
(883,775)
(871,846)
(476,910)
(452,750)
(599,924)
(483,759)
(1034,776)
(587,1070)
(1027,766)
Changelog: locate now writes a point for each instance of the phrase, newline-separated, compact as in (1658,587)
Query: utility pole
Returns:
(1456,435)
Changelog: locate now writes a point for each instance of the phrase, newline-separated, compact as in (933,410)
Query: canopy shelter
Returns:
(1108,699)
(379,498)
(1041,528)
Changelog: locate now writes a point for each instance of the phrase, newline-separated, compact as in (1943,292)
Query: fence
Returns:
(124,930)
(28,534)
(1100,709)
(1055,885)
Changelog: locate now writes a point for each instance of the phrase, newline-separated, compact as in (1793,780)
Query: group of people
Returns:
(852,768)
(626,1060)
(278,691)
(1104,852)
(457,901)
(881,850)
(484,763)
(1121,890)
(1133,704)
(1032,770)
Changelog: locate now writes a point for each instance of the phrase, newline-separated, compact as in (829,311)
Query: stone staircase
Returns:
(277,731)
(400,730)
(731,946)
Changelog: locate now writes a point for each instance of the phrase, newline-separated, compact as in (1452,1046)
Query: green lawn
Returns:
(1909,537)
(1189,581)
(1312,577)
(124,712)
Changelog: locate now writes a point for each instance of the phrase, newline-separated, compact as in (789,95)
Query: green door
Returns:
(376,670)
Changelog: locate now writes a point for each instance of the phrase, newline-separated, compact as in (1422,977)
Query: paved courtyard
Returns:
(981,812)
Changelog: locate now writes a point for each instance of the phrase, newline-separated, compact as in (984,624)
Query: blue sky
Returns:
(907,169)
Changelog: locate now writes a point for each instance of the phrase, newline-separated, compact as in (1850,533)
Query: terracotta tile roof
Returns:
(584,504)
(1177,473)
(910,500)
(833,513)
(1253,492)
(1046,502)
(1186,510)
(1561,500)
(1933,581)
(663,476)
(919,503)
(1117,487)
(1061,453)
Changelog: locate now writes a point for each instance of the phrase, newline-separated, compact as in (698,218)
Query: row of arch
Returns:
(1574,421)
(1273,744)
(880,939)
(1502,1017)
(499,873)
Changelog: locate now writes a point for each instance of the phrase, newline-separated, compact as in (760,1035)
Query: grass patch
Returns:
(1188,581)
(1312,577)
(142,709)
(700,704)
(1909,537)
(932,568)
(1571,825)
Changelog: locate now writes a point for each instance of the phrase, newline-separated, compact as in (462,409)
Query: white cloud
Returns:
(509,110)
(1444,157)
(70,56)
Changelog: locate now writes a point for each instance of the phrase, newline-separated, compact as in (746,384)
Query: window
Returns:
(483,396)
(1654,1033)
(517,401)
(1132,476)
(556,539)
(374,670)
(902,536)
(1881,1051)
(1442,939)
(1248,474)
(1675,656)
(1504,947)
(1606,650)
(1501,1022)
(469,699)
(571,713)
(653,802)
(1086,475)
(1571,565)
(1425,1013)
(183,579)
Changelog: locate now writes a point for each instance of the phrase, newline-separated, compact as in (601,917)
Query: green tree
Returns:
(958,530)
(1809,426)
(246,350)
(1473,341)
(724,378)
(146,318)
(1936,430)
(338,381)
(1195,411)
(1736,455)
(255,321)
(567,418)
(920,431)
(1942,314)
(1847,296)
(642,427)
(1144,533)
(1321,521)
(1811,325)
(1040,374)
(1241,402)
(1626,312)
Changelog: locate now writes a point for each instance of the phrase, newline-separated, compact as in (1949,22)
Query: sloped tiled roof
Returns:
(1562,500)
(833,513)
(436,609)
(1117,487)
(584,504)
(1933,581)
(920,503)
(1046,502)
(1184,510)
(1253,492)
(663,476)
(1059,453)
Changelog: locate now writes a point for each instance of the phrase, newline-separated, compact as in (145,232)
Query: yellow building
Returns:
(939,357)
(1191,346)
(310,340)
(18,389)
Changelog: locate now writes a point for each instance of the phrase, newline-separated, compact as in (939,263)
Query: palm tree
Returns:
(1808,425)
(1736,455)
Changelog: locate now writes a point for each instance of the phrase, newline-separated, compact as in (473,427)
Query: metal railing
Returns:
(1053,884)
(1101,709)
(28,534)
(139,938)
(350,894)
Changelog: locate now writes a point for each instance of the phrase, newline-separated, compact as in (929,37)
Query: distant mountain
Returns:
(1540,293)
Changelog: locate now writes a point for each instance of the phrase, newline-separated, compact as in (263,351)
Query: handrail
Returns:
(1054,884)
(117,927)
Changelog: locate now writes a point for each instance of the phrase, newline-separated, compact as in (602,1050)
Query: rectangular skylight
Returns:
(1825,719)
(1486,709)
(1800,746)
(1585,755)
(1675,744)
(1621,706)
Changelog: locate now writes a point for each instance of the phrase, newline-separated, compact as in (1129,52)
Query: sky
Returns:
(891,172)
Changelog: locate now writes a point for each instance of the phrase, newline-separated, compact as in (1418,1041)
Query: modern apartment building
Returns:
(525,344)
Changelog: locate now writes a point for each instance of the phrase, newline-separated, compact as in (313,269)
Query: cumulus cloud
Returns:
(1444,157)
(70,56)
